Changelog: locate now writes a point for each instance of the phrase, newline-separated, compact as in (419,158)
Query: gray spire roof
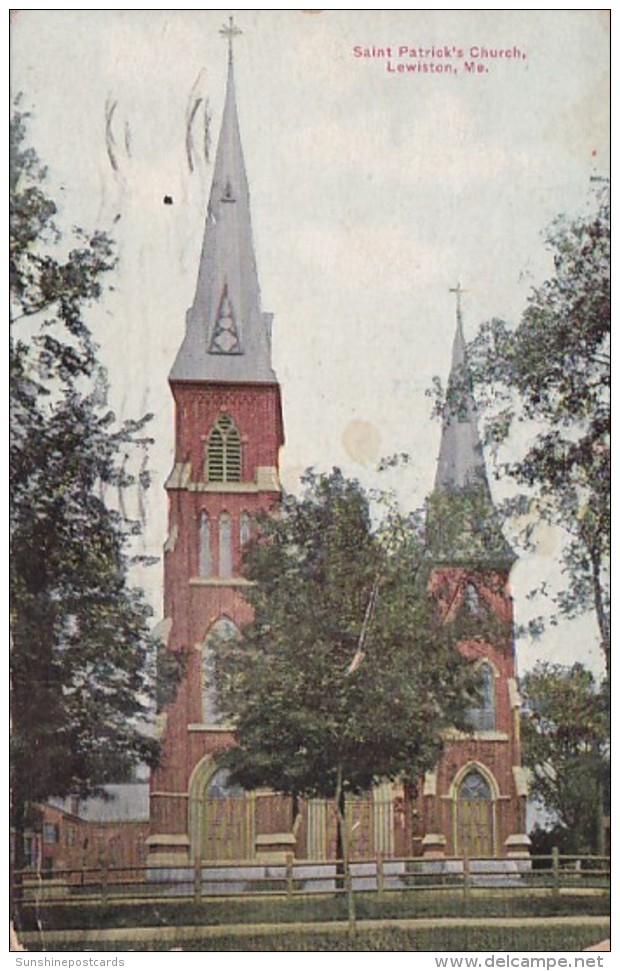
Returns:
(463,523)
(461,460)
(227,338)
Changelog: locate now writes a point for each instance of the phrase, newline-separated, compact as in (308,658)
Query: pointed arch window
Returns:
(225,545)
(205,563)
(245,529)
(224,451)
(472,600)
(482,717)
(475,786)
(220,786)
(223,629)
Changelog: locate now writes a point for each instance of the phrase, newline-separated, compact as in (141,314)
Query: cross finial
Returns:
(231,31)
(458,289)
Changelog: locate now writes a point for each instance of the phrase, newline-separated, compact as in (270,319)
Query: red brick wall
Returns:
(193,604)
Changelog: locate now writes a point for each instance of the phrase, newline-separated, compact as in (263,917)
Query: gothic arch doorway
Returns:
(221,815)
(474,795)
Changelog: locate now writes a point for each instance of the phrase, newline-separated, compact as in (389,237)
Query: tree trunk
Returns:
(294,811)
(601,614)
(343,852)
(341,834)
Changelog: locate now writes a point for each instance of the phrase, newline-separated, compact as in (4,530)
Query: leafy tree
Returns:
(312,716)
(551,375)
(80,634)
(565,732)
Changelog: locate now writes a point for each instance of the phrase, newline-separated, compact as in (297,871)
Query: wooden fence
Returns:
(204,880)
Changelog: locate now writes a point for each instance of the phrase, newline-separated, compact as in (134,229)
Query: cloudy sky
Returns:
(375,189)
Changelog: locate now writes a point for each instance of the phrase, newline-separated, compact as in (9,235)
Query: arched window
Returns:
(205,565)
(472,599)
(482,717)
(225,545)
(224,452)
(244,529)
(474,786)
(220,786)
(223,629)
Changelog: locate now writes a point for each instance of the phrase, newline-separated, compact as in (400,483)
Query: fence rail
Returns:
(203,880)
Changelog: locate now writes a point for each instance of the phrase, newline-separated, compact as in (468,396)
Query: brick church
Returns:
(228,434)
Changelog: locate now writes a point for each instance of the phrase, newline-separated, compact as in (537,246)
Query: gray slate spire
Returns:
(461,460)
(463,524)
(228,338)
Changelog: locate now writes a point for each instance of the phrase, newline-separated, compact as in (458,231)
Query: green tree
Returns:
(313,717)
(80,648)
(565,731)
(548,380)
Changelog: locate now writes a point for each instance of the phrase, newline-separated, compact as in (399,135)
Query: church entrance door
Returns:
(224,821)
(474,817)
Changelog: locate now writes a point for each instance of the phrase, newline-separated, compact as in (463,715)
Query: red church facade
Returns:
(228,434)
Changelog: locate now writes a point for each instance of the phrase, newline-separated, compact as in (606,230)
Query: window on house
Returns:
(50,833)
(482,717)
(224,452)
(205,567)
(30,852)
(225,545)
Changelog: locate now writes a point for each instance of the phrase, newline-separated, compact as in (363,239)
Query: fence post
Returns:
(466,883)
(380,876)
(348,882)
(197,879)
(289,875)
(104,880)
(555,865)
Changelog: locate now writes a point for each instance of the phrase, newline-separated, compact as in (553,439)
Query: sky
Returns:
(375,189)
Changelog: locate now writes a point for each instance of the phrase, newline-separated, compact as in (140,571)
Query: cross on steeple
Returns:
(231,31)
(458,289)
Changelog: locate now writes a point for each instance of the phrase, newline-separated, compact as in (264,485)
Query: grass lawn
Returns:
(492,938)
(254,910)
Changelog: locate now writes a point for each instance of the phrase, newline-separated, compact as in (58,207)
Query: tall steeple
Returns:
(228,337)
(463,522)
(228,432)
(461,460)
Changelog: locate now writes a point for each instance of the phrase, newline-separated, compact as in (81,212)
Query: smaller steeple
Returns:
(463,523)
(461,460)
(228,337)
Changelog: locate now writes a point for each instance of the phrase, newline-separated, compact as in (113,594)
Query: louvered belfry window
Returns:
(224,452)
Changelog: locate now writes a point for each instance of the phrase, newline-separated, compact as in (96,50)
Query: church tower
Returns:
(473,804)
(228,433)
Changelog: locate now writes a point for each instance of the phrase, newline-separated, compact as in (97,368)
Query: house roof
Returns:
(126,802)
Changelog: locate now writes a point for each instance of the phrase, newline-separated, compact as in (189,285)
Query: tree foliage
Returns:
(308,720)
(551,375)
(80,633)
(565,733)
